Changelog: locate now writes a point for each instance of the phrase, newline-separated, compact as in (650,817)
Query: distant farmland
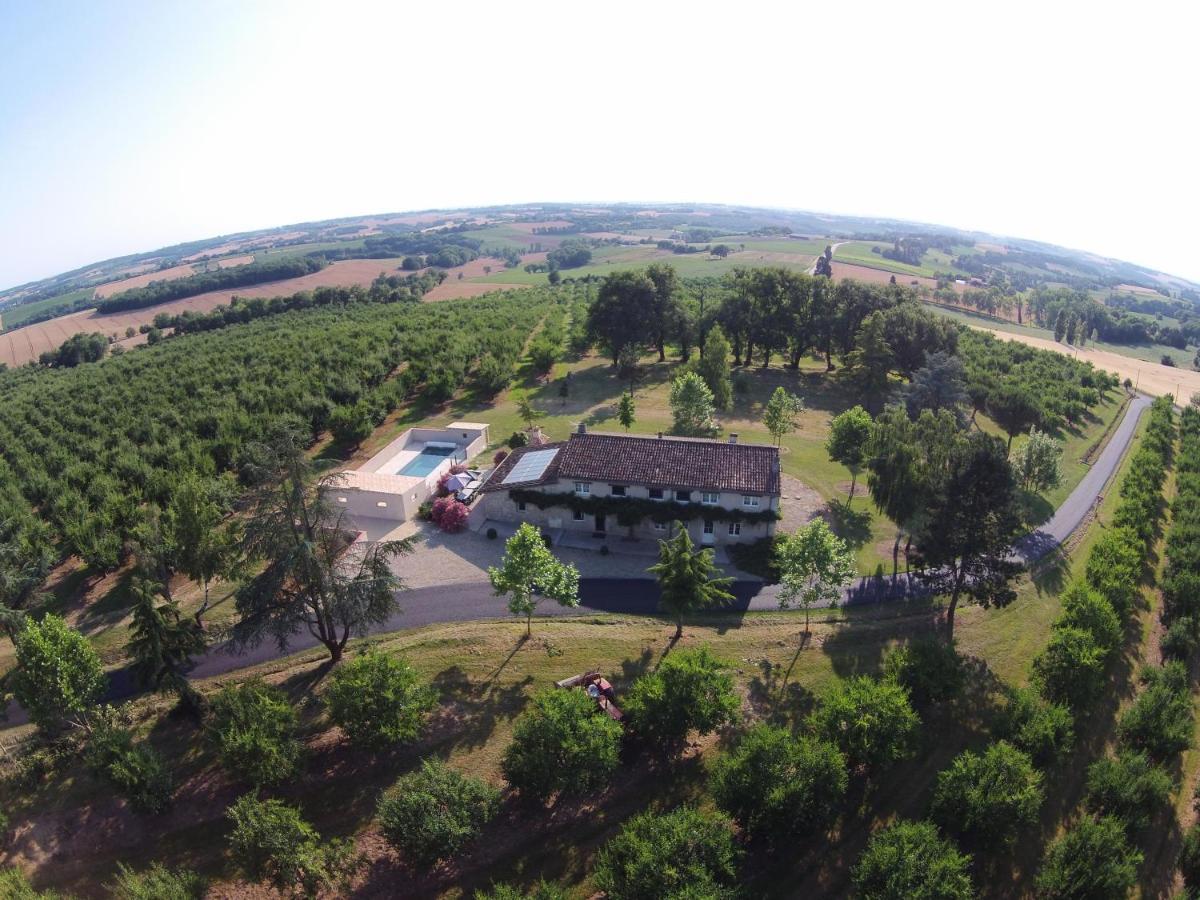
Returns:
(26,344)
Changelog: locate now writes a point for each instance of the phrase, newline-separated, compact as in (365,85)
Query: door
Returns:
(600,526)
(709,535)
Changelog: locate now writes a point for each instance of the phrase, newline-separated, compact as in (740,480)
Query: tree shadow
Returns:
(631,669)
(777,699)
(469,712)
(852,525)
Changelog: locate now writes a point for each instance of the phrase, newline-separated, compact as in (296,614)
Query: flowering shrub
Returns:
(450,515)
(500,456)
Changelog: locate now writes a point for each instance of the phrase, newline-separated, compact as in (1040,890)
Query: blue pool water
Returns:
(427,460)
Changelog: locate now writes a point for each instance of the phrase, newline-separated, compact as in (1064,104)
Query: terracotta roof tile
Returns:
(671,463)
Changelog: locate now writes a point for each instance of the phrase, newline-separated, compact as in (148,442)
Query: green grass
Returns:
(14,316)
(305,249)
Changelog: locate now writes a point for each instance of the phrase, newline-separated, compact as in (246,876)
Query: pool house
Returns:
(394,482)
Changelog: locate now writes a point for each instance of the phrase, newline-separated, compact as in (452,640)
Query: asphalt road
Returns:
(474,600)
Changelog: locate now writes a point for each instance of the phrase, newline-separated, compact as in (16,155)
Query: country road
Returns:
(471,601)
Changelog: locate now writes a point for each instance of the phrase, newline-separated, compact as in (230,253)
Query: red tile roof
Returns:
(657,462)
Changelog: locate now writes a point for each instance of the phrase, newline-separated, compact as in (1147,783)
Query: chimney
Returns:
(733,437)
(660,434)
(582,428)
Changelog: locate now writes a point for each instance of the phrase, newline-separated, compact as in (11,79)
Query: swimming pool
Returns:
(426,461)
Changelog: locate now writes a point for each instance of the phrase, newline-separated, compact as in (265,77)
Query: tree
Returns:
(563,743)
(871,361)
(1060,326)
(1037,462)
(779,788)
(1014,408)
(271,840)
(910,859)
(254,729)
(1189,859)
(1129,787)
(1071,668)
(1093,858)
(930,670)
(824,263)
(434,812)
(378,700)
(1160,720)
(1088,610)
(311,581)
(989,796)
(939,384)
(713,367)
(848,436)
(682,853)
(691,406)
(1045,731)
(689,579)
(814,565)
(58,676)
(162,643)
(781,412)
(527,412)
(24,565)
(137,773)
(1114,567)
(968,526)
(619,317)
(872,722)
(690,691)
(529,569)
(204,550)
(626,410)
(663,314)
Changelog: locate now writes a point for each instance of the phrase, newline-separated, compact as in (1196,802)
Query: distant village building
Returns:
(636,486)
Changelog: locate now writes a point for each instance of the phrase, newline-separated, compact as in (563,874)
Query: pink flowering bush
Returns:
(450,515)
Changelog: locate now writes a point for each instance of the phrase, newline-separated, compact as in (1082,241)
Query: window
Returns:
(708,526)
(381,505)
(683,496)
(735,528)
(618,490)
(751,502)
(520,506)
(660,526)
(341,499)
(656,493)
(710,499)
(583,488)
(578,515)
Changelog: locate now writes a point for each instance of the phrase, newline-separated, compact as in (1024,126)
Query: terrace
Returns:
(391,486)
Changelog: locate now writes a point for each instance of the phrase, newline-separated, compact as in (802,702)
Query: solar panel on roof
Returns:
(531,466)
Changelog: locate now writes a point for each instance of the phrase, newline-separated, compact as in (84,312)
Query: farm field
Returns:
(484,674)
(137,281)
(23,345)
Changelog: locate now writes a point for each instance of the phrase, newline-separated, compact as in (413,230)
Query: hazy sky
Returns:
(128,126)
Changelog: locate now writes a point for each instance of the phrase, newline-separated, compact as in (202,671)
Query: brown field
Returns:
(1150,378)
(1136,289)
(23,345)
(878,276)
(137,281)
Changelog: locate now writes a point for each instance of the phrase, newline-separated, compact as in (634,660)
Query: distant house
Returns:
(626,485)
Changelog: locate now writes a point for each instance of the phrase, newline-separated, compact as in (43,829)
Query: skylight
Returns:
(531,466)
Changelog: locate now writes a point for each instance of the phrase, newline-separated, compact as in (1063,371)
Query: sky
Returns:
(128,126)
